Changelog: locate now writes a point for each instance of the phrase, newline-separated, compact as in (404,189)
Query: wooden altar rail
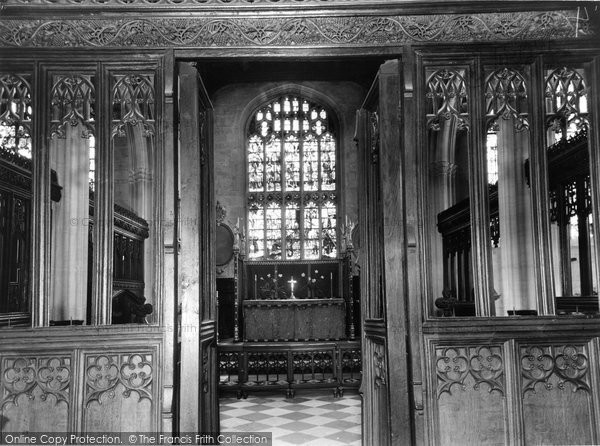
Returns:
(288,366)
(513,380)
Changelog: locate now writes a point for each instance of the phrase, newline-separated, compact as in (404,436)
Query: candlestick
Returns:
(330,284)
(292,282)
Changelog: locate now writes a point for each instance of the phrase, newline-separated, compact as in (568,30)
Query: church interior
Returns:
(387,204)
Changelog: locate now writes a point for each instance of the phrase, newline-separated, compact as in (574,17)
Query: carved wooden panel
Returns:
(291,31)
(447,98)
(505,97)
(376,377)
(133,103)
(470,389)
(72,102)
(118,384)
(556,391)
(36,392)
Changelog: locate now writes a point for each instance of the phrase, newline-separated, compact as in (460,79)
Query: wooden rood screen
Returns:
(569,185)
(130,231)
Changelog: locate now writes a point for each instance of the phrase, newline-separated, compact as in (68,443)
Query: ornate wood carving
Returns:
(288,366)
(15,101)
(447,95)
(133,103)
(374,135)
(570,363)
(289,31)
(223,4)
(21,375)
(205,370)
(506,95)
(564,90)
(103,373)
(485,364)
(443,168)
(379,365)
(72,102)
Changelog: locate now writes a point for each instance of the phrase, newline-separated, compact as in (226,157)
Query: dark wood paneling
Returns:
(527,380)
(82,379)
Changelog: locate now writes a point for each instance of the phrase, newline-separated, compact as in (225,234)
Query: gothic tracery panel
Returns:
(483,364)
(133,103)
(569,364)
(21,375)
(506,97)
(566,101)
(15,114)
(104,372)
(72,102)
(447,98)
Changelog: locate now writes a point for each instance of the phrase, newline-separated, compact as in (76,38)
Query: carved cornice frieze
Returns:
(21,375)
(569,363)
(104,373)
(196,3)
(484,364)
(367,30)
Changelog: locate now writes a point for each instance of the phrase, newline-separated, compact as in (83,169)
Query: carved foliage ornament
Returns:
(20,376)
(105,372)
(374,136)
(379,364)
(286,31)
(569,363)
(447,97)
(72,102)
(506,97)
(455,364)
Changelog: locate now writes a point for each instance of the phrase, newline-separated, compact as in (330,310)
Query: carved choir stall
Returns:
(294,326)
(130,231)
(568,173)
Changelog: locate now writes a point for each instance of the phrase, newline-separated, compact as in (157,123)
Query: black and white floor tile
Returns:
(315,419)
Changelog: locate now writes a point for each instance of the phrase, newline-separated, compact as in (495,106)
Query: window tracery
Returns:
(292,191)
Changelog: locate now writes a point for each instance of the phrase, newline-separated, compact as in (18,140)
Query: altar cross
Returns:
(292,282)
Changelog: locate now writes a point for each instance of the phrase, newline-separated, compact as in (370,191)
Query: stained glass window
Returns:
(292,190)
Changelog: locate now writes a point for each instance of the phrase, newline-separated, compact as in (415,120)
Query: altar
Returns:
(289,325)
(294,319)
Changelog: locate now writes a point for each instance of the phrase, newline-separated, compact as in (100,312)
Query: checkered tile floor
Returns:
(315,419)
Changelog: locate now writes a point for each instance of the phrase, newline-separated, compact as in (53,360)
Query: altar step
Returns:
(249,367)
(314,419)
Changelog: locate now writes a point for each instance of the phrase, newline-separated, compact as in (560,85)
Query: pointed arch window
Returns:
(291,181)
